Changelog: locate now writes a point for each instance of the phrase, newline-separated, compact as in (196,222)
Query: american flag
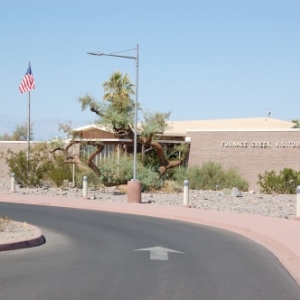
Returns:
(27,83)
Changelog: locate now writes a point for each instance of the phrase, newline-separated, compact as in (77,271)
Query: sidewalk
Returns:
(280,236)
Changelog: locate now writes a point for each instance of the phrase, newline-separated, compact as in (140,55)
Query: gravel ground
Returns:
(279,206)
(11,231)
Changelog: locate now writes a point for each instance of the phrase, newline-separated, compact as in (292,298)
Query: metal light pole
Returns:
(134,187)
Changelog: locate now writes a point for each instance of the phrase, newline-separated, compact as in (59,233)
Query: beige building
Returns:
(252,146)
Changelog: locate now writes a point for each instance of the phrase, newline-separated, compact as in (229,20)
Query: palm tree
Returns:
(120,111)
(118,89)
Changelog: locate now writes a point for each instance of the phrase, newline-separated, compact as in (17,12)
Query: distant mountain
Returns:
(8,124)
(43,130)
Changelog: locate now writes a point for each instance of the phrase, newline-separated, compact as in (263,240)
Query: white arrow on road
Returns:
(159,253)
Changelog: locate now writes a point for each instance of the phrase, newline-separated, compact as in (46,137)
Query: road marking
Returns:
(159,253)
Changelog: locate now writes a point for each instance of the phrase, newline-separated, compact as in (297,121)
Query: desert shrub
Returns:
(171,186)
(210,176)
(234,179)
(149,178)
(60,171)
(41,166)
(116,170)
(268,182)
(4,221)
(119,170)
(93,179)
(29,172)
(285,182)
(192,174)
(289,180)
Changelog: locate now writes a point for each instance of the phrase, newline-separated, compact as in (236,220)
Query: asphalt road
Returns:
(93,255)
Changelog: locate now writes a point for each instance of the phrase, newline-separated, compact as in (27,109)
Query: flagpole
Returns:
(28,129)
(26,85)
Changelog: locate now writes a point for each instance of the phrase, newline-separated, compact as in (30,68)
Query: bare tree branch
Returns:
(90,163)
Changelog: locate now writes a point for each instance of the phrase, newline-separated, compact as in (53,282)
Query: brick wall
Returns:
(251,152)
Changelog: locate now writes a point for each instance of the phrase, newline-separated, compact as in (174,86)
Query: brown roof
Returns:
(229,124)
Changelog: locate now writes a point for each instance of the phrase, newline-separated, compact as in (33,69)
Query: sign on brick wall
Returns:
(259,144)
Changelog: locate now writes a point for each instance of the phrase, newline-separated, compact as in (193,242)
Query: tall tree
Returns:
(120,111)
(117,111)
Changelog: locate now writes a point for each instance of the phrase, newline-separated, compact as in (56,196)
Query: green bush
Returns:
(234,179)
(119,170)
(29,172)
(93,179)
(285,182)
(40,166)
(149,178)
(60,171)
(210,176)
(116,170)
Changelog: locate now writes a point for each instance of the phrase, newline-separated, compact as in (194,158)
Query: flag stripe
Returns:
(27,83)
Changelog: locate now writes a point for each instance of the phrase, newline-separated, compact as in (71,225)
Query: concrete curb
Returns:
(37,240)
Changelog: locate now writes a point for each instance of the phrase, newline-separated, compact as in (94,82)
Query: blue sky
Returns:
(202,59)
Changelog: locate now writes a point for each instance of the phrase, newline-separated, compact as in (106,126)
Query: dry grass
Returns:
(4,222)
(122,188)
(171,187)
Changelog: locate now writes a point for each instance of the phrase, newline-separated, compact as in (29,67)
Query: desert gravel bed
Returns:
(11,231)
(279,206)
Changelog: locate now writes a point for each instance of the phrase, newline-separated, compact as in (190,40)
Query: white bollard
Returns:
(298,202)
(186,194)
(85,187)
(13,183)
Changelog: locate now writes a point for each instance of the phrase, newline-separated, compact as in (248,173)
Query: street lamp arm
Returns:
(115,55)
(95,53)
